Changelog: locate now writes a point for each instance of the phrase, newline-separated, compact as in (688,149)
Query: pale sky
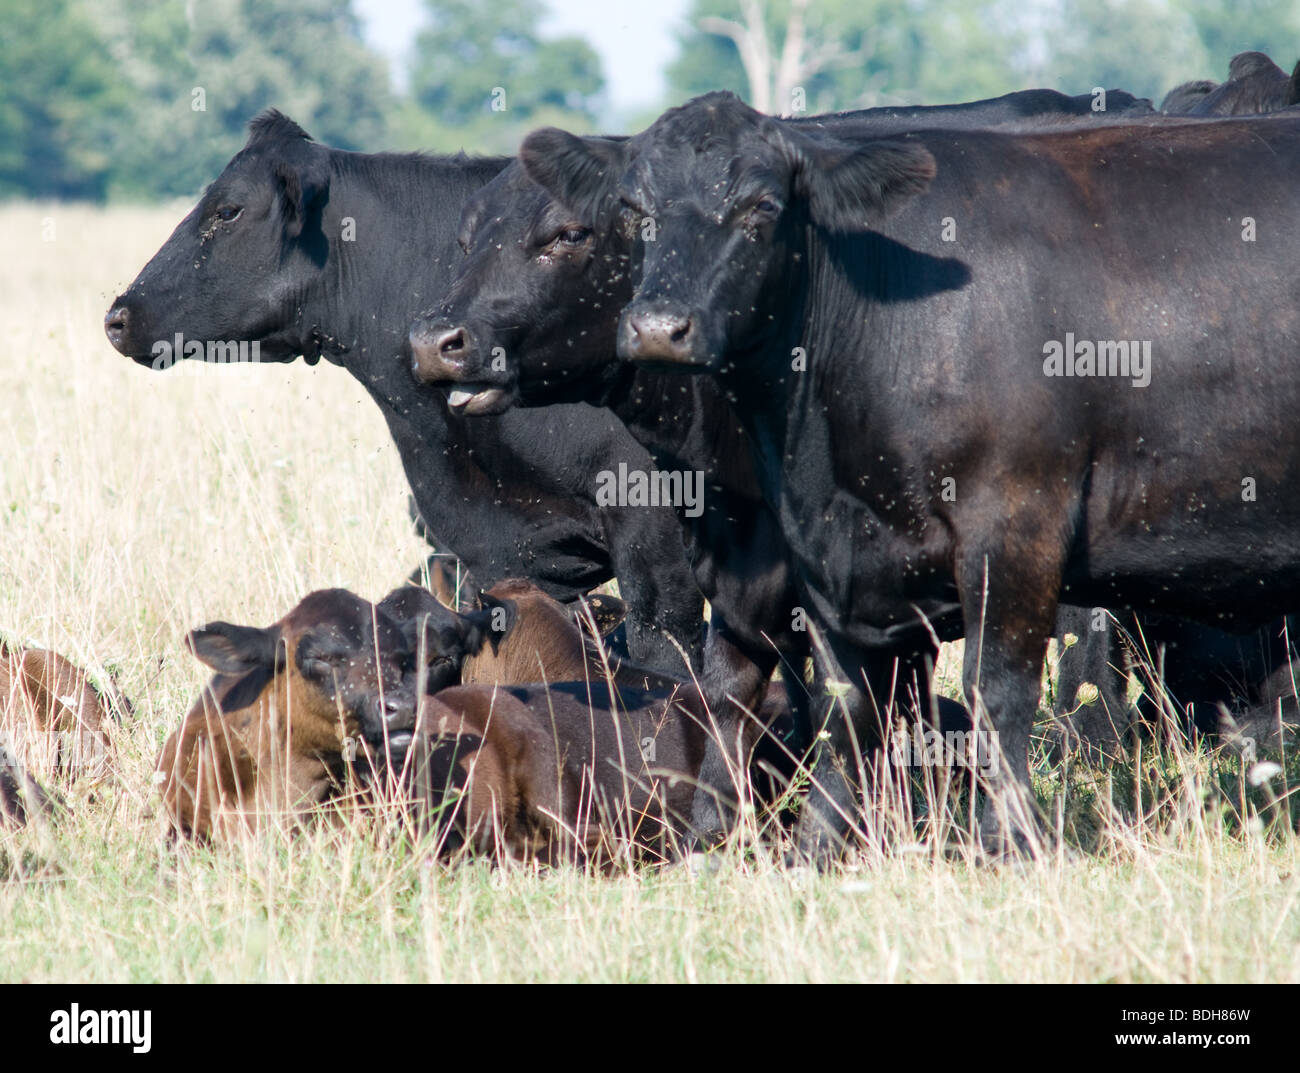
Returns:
(635,41)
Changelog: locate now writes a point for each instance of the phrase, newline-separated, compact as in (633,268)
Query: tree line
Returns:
(145,99)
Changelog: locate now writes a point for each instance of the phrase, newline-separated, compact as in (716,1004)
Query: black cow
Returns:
(317,252)
(539,290)
(543,296)
(1255,84)
(538,297)
(930,468)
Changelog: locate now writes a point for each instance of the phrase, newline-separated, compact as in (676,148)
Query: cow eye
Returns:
(229,212)
(767,206)
(574,236)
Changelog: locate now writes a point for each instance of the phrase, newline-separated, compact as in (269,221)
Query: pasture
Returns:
(136,505)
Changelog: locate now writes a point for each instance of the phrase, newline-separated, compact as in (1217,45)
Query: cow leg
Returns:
(1009,608)
(839,707)
(855,715)
(663,602)
(1096,657)
(733,681)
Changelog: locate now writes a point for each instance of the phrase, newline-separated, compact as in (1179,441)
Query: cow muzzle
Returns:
(659,334)
(446,355)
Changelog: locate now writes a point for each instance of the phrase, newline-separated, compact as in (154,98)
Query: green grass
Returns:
(136,505)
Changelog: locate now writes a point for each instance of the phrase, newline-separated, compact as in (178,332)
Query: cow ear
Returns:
(581,173)
(495,617)
(230,649)
(848,187)
(301,187)
(607,611)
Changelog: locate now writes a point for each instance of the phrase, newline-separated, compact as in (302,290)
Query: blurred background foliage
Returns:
(144,99)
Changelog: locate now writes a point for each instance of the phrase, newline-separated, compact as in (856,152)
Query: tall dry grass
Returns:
(135,505)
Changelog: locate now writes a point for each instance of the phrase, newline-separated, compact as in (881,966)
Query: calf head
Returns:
(533,637)
(439,637)
(731,194)
(539,285)
(337,662)
(236,267)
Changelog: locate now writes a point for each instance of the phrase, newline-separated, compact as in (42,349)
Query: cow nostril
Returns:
(682,330)
(452,342)
(116,321)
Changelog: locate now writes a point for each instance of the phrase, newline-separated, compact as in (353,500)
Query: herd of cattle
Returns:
(977,370)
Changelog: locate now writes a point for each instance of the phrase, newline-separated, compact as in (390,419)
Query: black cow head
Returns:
(234,269)
(533,310)
(729,193)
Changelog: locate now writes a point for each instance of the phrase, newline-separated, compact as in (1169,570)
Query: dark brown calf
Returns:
(274,731)
(518,634)
(567,772)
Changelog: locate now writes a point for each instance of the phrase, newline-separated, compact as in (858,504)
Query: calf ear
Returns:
(848,187)
(608,611)
(496,618)
(301,186)
(580,173)
(231,649)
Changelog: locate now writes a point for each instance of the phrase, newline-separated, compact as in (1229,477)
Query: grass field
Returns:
(135,505)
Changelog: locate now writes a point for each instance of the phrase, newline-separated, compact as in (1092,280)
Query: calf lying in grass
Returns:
(273,733)
(56,719)
(572,771)
(549,749)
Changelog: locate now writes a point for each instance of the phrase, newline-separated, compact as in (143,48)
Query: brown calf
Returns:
(55,717)
(273,733)
(518,634)
(572,771)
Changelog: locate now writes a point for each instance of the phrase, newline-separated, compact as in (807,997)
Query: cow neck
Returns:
(682,419)
(760,379)
(373,287)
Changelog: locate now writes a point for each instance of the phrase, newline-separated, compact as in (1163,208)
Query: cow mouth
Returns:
(400,740)
(479,398)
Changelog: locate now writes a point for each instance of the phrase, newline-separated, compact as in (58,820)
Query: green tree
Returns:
(782,55)
(1225,29)
(150,98)
(198,73)
(483,74)
(61,104)
(1143,46)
